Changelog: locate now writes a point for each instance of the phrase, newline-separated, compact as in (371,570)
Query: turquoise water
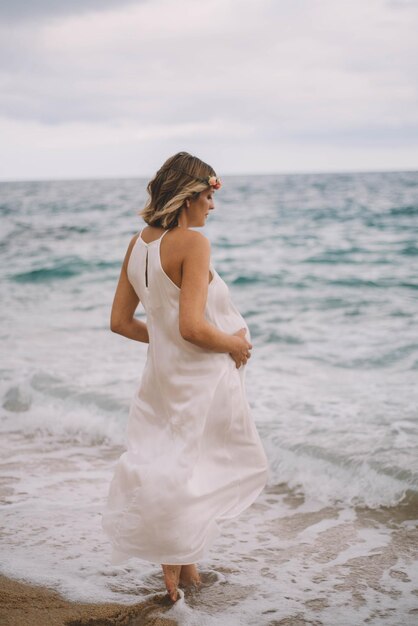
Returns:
(324,268)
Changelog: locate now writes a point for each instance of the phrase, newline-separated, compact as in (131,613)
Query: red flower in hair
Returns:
(214,182)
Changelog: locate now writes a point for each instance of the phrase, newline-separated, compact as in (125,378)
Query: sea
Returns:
(324,269)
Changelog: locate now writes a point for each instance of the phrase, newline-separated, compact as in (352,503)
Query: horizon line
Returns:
(148,177)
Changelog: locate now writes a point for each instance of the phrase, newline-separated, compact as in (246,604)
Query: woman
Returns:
(194,457)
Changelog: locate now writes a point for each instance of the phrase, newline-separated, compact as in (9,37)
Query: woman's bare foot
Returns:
(171,579)
(189,575)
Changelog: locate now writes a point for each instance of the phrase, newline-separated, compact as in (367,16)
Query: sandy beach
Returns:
(26,605)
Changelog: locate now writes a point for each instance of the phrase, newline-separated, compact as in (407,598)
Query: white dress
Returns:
(194,457)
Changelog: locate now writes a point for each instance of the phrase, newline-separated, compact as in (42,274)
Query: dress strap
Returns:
(164,233)
(147,248)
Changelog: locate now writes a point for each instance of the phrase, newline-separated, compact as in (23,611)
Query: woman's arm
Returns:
(194,326)
(124,305)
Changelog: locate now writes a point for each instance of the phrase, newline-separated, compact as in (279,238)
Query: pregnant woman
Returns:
(194,457)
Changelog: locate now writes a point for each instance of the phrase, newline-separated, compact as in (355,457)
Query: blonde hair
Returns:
(181,177)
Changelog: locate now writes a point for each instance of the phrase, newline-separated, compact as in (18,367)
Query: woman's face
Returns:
(199,209)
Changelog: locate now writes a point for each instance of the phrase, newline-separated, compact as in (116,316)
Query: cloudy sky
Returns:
(96,88)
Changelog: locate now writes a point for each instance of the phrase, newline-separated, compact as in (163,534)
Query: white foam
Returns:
(67,420)
(58,466)
(354,483)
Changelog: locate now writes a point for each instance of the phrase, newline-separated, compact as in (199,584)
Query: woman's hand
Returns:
(241,351)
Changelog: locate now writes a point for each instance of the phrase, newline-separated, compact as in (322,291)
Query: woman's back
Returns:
(172,249)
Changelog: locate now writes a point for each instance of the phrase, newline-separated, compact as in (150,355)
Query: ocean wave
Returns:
(276,337)
(53,412)
(409,250)
(259,278)
(382,283)
(18,396)
(351,483)
(409,285)
(55,387)
(407,210)
(49,407)
(17,399)
(398,355)
(339,255)
(357,282)
(63,269)
(5,209)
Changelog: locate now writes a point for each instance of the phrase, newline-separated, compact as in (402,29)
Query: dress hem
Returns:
(119,556)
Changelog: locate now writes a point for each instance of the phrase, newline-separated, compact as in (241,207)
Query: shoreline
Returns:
(23,604)
(332,565)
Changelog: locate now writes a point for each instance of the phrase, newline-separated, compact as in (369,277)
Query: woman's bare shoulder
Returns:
(194,238)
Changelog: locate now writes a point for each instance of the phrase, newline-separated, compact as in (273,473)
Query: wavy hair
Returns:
(181,177)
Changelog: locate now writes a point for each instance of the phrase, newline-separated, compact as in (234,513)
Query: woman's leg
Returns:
(184,574)
(189,575)
(171,579)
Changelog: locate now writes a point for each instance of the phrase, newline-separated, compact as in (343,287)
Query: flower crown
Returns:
(213,181)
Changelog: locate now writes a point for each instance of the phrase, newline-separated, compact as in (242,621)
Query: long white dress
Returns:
(194,457)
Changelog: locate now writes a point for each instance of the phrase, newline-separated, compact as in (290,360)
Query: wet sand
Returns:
(26,605)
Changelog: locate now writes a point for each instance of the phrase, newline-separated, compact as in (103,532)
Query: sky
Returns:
(112,88)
